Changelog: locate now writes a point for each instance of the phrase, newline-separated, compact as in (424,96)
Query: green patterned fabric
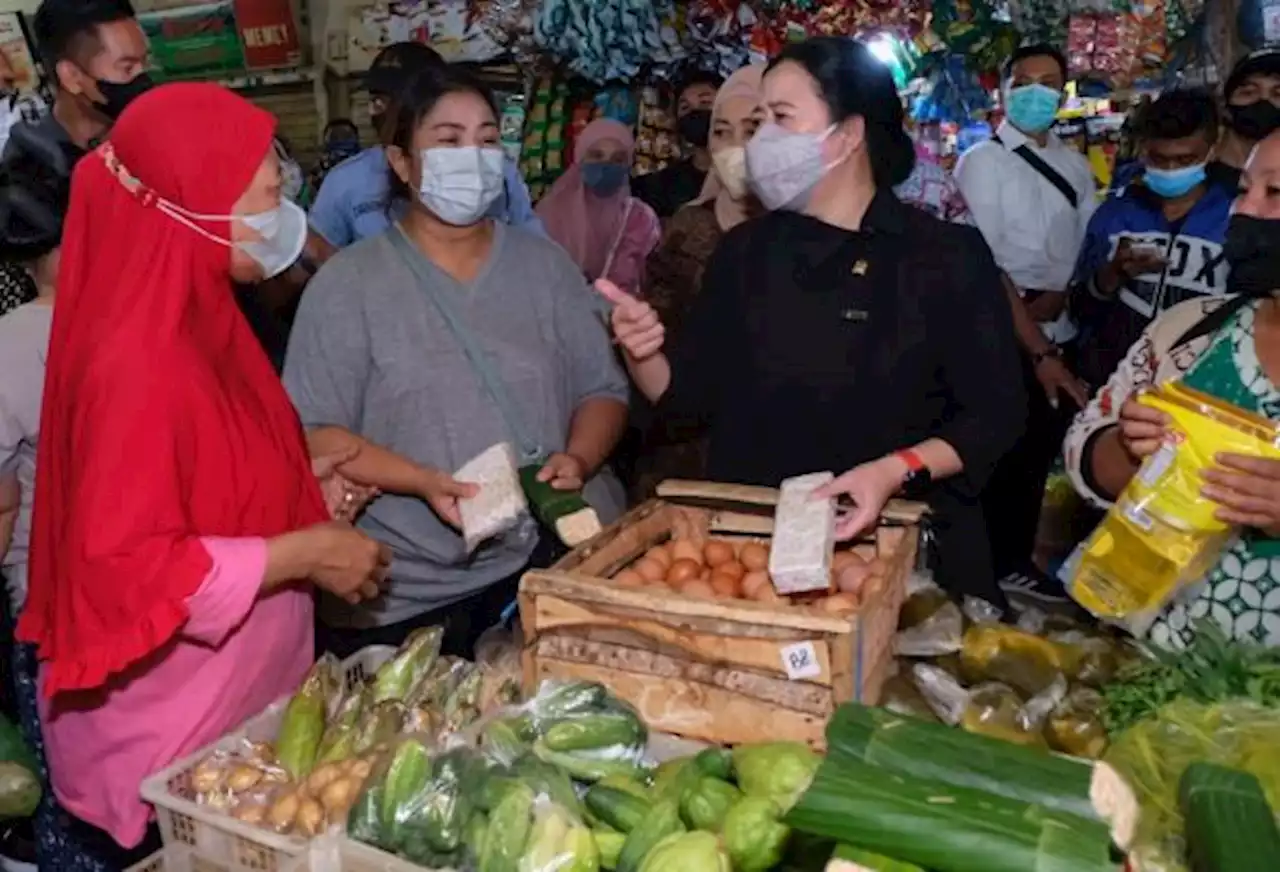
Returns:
(1242,592)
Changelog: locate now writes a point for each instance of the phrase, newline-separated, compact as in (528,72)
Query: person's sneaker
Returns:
(1033,587)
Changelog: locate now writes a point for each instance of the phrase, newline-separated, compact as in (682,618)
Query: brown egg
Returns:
(752,582)
(683,549)
(879,567)
(629,578)
(766,594)
(718,553)
(650,570)
(662,554)
(852,575)
(839,604)
(725,585)
(841,559)
(682,571)
(699,589)
(754,556)
(733,567)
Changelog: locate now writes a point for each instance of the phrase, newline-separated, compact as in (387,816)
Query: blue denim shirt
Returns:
(352,202)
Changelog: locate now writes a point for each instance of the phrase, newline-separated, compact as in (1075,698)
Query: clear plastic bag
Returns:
(1075,727)
(930,624)
(990,708)
(1137,788)
(1004,654)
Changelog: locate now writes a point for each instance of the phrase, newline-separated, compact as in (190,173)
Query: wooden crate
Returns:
(713,670)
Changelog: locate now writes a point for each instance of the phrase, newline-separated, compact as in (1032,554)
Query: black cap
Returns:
(396,64)
(1264,61)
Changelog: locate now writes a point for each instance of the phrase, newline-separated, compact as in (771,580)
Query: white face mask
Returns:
(731,170)
(784,166)
(283,231)
(460,183)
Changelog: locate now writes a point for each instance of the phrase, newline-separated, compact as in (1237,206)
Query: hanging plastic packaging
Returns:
(1162,536)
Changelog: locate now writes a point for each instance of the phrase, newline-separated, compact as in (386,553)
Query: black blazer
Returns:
(815,348)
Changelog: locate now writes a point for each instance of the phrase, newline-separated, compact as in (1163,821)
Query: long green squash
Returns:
(1230,827)
(943,827)
(922,749)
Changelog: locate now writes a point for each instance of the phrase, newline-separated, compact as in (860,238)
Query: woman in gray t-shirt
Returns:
(373,359)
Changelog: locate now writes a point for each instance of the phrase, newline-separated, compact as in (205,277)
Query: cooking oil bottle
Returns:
(1162,536)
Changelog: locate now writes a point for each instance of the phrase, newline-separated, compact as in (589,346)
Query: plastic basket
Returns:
(220,838)
(179,859)
(349,856)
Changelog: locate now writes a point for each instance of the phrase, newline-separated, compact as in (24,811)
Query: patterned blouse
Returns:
(16,287)
(1242,592)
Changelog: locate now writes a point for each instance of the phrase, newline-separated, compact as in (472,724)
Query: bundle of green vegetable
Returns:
(951,801)
(1159,782)
(19,781)
(1212,669)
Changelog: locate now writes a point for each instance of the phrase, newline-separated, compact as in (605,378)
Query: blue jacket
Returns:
(1196,267)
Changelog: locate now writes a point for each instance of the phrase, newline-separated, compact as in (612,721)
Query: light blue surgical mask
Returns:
(1173,183)
(1032,108)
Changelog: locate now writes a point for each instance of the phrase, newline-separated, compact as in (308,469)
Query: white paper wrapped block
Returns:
(804,536)
(500,504)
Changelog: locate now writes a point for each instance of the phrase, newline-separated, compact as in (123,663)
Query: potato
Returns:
(322,776)
(281,815)
(338,795)
(208,774)
(243,777)
(250,813)
(310,820)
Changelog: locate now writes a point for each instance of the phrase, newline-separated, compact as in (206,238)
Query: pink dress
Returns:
(236,655)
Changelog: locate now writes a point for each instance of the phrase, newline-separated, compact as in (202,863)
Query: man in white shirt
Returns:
(1031,197)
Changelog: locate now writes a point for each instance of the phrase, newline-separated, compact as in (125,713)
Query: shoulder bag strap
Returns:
(1048,173)
(530,449)
(617,238)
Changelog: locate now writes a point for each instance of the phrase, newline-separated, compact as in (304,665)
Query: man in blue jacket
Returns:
(352,202)
(1157,241)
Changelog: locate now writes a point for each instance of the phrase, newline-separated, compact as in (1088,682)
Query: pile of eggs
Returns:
(721,569)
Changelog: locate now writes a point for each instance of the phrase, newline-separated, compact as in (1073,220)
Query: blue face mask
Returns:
(1032,108)
(603,178)
(1173,183)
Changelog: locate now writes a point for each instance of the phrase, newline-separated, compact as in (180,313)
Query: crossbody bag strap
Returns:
(617,238)
(530,449)
(1048,173)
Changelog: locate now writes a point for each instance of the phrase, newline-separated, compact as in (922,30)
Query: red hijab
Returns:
(163,420)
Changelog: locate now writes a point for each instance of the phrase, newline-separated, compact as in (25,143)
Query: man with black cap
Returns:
(352,202)
(1252,95)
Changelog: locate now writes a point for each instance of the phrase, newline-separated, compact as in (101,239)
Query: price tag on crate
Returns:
(800,661)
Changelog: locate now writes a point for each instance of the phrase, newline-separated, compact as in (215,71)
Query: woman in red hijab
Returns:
(177,518)
(591,213)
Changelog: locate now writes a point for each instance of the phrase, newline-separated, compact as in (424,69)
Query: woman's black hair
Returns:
(415,103)
(853,81)
(35,190)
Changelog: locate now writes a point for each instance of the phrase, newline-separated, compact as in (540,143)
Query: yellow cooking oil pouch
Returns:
(1161,536)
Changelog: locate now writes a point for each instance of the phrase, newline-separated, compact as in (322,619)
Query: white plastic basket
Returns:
(216,837)
(179,859)
(344,855)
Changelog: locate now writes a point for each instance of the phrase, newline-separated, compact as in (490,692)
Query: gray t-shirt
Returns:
(24,347)
(371,353)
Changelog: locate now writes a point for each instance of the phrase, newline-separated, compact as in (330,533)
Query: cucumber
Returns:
(584,768)
(594,731)
(610,847)
(508,831)
(616,807)
(662,820)
(364,824)
(407,775)
(1229,825)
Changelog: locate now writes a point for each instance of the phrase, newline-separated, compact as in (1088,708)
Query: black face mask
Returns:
(695,127)
(118,95)
(1256,120)
(1252,248)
